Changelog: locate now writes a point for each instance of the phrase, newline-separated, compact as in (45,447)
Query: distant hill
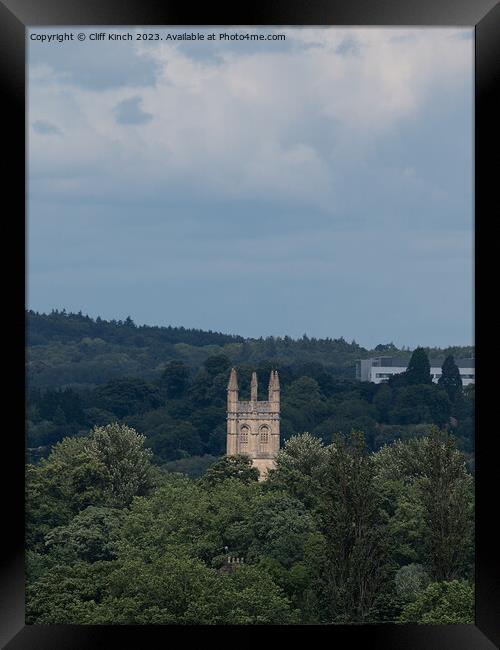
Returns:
(169,383)
(75,350)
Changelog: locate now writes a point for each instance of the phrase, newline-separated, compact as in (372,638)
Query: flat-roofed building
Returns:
(379,369)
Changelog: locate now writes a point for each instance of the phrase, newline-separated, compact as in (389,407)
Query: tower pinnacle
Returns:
(233,380)
(253,387)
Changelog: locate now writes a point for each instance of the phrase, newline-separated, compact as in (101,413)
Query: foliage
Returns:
(126,396)
(106,468)
(442,603)
(120,451)
(419,369)
(355,533)
(171,590)
(421,404)
(301,468)
(175,379)
(90,536)
(194,466)
(330,537)
(410,580)
(170,385)
(239,467)
(450,378)
(430,494)
(132,514)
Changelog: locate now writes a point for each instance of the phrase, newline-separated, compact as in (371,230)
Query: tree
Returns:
(59,487)
(172,589)
(300,468)
(411,580)
(446,492)
(68,594)
(126,396)
(280,527)
(450,378)
(194,467)
(430,500)
(217,364)
(421,404)
(355,566)
(383,401)
(175,379)
(91,536)
(303,403)
(419,369)
(174,440)
(441,603)
(120,450)
(239,467)
(106,468)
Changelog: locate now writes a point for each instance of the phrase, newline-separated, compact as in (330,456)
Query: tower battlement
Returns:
(253,427)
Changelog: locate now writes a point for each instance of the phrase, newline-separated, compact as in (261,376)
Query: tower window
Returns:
(264,435)
(244,435)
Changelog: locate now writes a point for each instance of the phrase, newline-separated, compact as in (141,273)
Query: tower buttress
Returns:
(232,407)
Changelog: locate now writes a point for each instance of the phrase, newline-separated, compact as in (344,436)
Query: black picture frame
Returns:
(484,15)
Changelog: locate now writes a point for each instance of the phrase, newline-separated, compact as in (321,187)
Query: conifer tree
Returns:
(419,369)
(450,378)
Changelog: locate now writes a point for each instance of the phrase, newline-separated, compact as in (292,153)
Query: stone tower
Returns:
(253,427)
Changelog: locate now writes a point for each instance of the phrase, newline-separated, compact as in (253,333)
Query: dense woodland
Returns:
(337,534)
(133,511)
(170,385)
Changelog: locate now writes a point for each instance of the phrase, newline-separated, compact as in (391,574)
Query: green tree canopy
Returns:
(126,396)
(217,364)
(442,603)
(355,563)
(239,467)
(300,468)
(90,536)
(419,369)
(450,378)
(175,379)
(127,463)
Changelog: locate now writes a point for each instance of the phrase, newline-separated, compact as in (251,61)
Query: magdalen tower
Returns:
(253,427)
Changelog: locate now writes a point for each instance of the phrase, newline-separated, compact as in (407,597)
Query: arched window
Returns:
(244,431)
(264,435)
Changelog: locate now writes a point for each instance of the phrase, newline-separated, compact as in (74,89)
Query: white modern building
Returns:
(379,369)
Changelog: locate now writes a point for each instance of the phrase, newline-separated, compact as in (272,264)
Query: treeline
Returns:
(67,350)
(183,412)
(62,327)
(337,534)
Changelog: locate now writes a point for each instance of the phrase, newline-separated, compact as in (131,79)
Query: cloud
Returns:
(94,65)
(337,163)
(276,125)
(45,128)
(348,46)
(129,111)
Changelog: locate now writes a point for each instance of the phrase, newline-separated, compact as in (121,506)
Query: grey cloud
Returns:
(46,128)
(348,46)
(397,234)
(129,111)
(95,65)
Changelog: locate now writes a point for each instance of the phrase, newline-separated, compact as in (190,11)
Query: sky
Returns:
(321,184)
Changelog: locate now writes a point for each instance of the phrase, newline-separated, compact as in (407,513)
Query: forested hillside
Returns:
(335,535)
(135,516)
(73,350)
(83,373)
